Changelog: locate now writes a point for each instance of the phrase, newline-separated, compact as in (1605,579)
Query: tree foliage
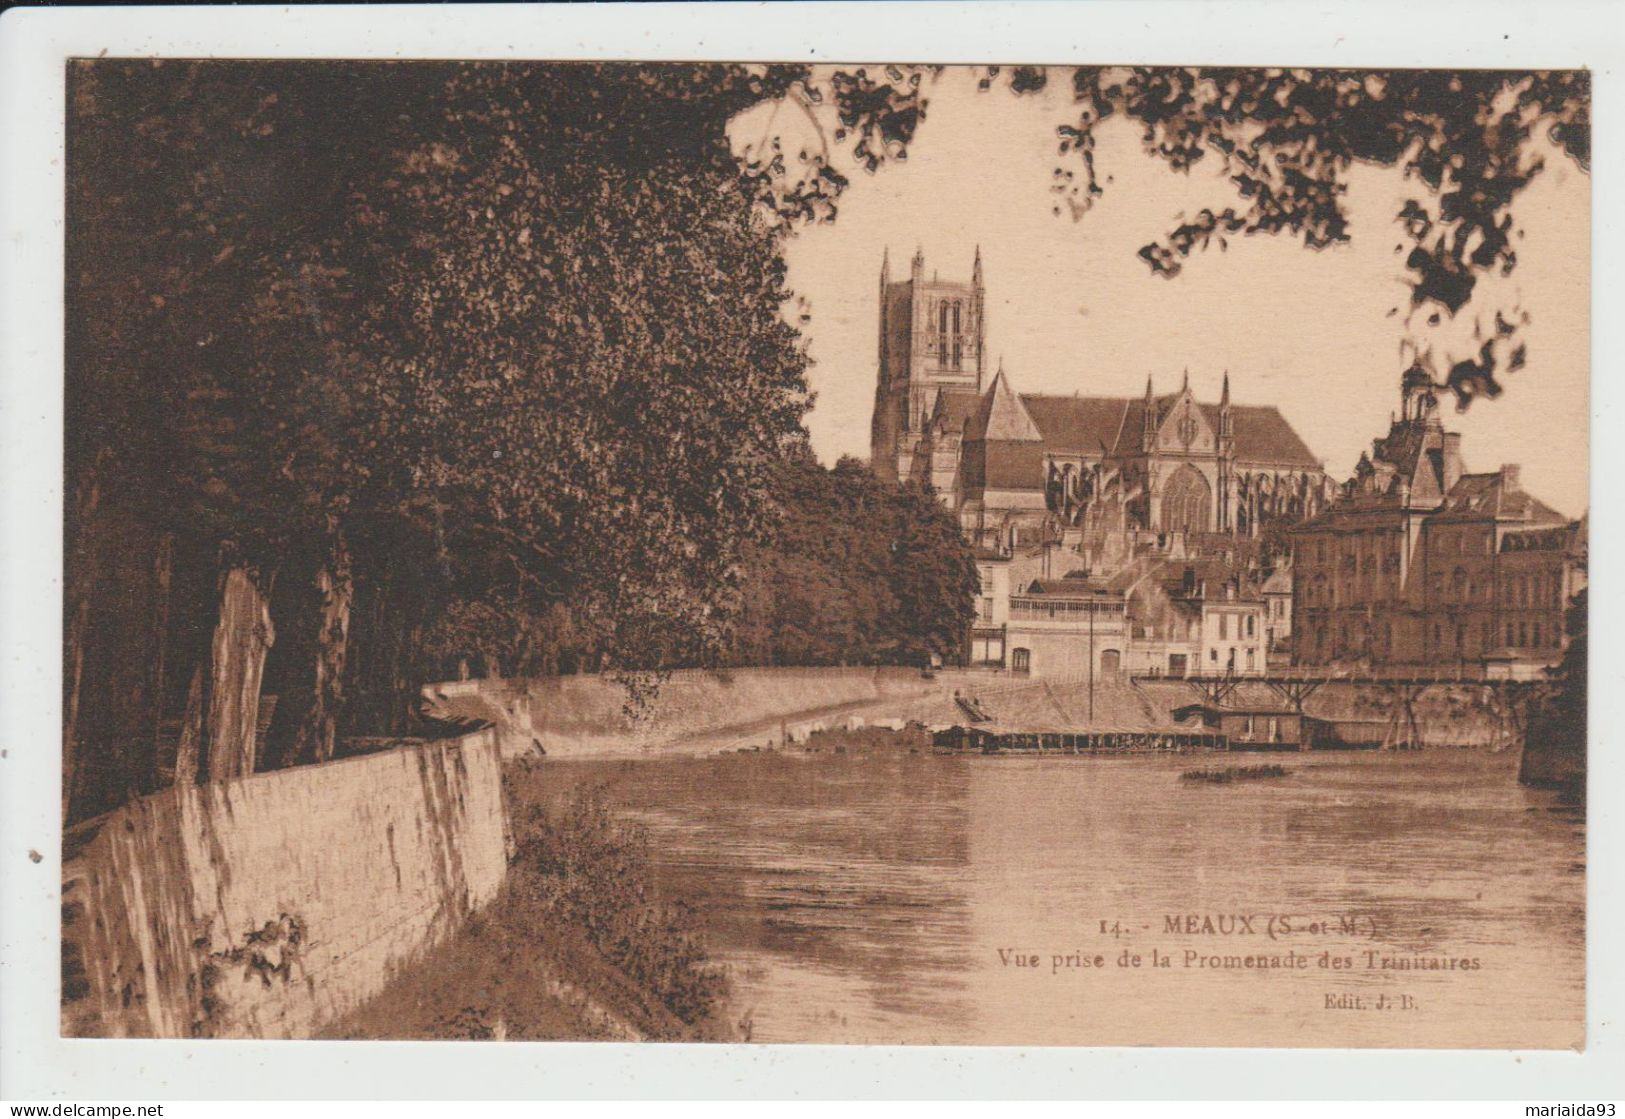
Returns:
(857,571)
(530,314)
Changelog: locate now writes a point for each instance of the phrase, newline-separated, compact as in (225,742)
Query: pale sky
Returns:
(1072,308)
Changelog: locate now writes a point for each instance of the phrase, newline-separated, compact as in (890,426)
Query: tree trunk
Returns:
(115,620)
(384,692)
(315,629)
(79,588)
(318,733)
(163,587)
(134,623)
(189,749)
(243,637)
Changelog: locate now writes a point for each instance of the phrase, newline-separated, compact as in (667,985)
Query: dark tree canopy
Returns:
(531,312)
(856,571)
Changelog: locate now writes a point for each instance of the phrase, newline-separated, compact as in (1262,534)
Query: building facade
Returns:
(1070,628)
(1420,561)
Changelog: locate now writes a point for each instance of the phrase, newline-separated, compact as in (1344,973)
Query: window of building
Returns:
(1509,633)
(1251,622)
(987,609)
(1537,640)
(1250,662)
(1523,633)
(1438,635)
(1461,637)
(1523,590)
(1213,655)
(1224,627)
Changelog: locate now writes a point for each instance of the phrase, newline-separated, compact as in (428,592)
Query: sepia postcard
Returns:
(854,552)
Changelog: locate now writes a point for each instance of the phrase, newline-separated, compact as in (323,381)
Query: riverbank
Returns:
(580,945)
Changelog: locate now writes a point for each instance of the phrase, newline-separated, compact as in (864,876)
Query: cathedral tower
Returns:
(932,341)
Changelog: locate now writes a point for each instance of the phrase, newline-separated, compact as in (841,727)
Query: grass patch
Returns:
(576,866)
(1234,773)
(579,945)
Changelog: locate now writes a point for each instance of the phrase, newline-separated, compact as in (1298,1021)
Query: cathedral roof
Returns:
(1003,418)
(1263,435)
(1083,424)
(1113,425)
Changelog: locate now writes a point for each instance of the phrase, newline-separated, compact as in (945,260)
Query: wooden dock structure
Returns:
(983,740)
(1508,697)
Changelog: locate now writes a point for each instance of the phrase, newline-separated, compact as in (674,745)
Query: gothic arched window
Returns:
(1187,501)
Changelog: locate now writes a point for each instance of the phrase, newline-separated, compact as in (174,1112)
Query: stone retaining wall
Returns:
(269,905)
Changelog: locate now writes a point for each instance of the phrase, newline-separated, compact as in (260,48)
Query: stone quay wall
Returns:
(268,906)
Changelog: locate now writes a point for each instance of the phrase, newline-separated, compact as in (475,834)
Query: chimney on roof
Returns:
(1510,477)
(1450,459)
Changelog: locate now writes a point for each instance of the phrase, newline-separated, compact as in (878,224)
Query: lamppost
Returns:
(1092,603)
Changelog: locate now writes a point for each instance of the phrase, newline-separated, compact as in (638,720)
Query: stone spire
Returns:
(917,269)
(1148,419)
(885,266)
(1003,417)
(976,270)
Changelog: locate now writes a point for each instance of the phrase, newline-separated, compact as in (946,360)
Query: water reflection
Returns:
(866,898)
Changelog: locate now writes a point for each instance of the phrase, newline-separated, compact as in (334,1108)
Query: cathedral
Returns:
(1021,469)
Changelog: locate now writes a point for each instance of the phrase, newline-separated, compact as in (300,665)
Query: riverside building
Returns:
(1421,562)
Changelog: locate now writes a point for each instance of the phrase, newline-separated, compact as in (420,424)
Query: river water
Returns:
(911,898)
